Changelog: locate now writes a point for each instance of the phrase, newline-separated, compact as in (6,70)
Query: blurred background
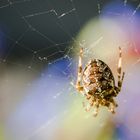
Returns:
(39,47)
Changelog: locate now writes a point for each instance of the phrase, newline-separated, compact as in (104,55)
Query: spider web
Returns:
(40,41)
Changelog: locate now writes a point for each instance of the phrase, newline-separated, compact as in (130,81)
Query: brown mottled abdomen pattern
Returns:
(97,77)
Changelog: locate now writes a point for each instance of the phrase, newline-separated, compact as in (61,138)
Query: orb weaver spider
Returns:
(97,83)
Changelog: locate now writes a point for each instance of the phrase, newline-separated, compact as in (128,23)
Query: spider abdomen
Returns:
(97,78)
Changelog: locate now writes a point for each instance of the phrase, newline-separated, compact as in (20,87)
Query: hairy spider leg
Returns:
(79,87)
(92,102)
(96,109)
(89,104)
(113,102)
(112,105)
(119,70)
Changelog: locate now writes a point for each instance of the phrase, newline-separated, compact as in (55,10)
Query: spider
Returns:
(96,82)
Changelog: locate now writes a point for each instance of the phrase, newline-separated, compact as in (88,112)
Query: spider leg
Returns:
(96,108)
(112,106)
(78,85)
(114,103)
(91,101)
(119,64)
(122,77)
(89,105)
(104,102)
(88,97)
(119,70)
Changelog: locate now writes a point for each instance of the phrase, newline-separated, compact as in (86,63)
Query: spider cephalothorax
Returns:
(97,83)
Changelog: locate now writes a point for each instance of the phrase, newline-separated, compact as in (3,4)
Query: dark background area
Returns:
(41,33)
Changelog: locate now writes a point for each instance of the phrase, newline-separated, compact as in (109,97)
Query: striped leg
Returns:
(78,83)
(119,70)
(89,104)
(112,106)
(96,109)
